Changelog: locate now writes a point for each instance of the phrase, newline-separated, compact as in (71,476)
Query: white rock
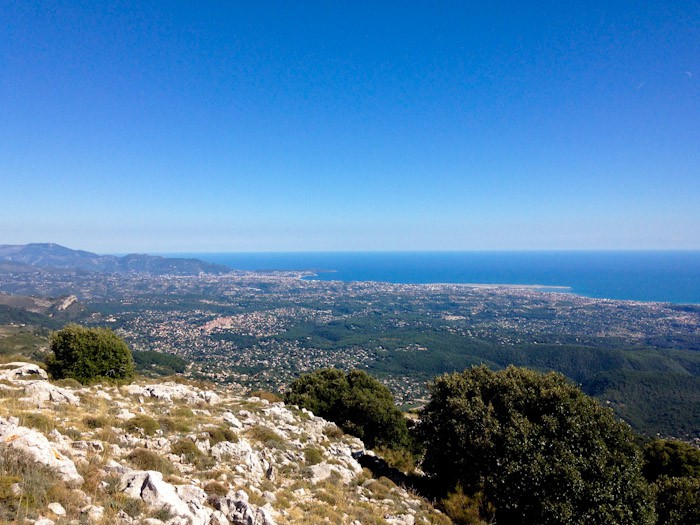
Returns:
(57,508)
(150,487)
(18,371)
(172,391)
(41,392)
(44,521)
(322,471)
(218,518)
(242,456)
(240,512)
(94,513)
(232,420)
(40,450)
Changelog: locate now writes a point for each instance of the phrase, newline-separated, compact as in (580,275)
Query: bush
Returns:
(678,500)
(220,434)
(89,355)
(187,448)
(141,423)
(536,447)
(144,459)
(267,396)
(671,458)
(356,402)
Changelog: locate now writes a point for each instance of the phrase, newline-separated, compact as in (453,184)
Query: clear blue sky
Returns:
(293,126)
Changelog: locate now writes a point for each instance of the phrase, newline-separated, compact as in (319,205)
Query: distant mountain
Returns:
(54,256)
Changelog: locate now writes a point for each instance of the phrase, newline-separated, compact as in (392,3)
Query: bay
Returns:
(665,276)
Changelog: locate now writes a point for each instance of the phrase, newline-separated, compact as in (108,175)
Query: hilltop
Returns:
(181,452)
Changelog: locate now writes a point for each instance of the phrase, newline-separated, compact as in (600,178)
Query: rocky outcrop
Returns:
(39,393)
(227,459)
(173,392)
(17,370)
(237,509)
(40,449)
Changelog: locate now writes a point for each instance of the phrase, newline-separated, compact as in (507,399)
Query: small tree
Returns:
(89,354)
(356,402)
(535,446)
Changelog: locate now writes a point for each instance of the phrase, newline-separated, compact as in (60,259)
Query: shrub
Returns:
(267,396)
(221,434)
(89,355)
(36,482)
(215,488)
(312,455)
(536,447)
(187,448)
(356,402)
(671,458)
(144,459)
(143,423)
(678,500)
(466,510)
(94,422)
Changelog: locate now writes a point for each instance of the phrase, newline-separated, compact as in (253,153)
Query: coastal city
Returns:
(264,329)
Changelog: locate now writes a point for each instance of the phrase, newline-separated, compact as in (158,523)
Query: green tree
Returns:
(89,354)
(535,446)
(678,500)
(671,458)
(356,402)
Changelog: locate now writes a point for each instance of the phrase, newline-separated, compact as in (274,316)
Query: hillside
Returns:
(54,256)
(180,453)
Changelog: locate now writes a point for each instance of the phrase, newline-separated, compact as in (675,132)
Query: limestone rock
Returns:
(41,392)
(19,371)
(240,512)
(247,462)
(94,513)
(173,391)
(57,509)
(40,449)
(149,486)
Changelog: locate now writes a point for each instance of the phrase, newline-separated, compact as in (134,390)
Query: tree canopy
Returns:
(356,402)
(89,354)
(535,446)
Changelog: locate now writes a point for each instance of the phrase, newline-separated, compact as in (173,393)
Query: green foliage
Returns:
(35,481)
(671,458)
(536,447)
(144,459)
(141,423)
(89,355)
(678,501)
(356,402)
(187,448)
(312,455)
(159,363)
(221,434)
(464,509)
(652,402)
(270,397)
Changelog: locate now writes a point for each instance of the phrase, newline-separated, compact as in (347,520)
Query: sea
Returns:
(662,276)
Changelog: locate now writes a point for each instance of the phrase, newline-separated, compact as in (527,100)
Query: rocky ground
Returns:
(180,453)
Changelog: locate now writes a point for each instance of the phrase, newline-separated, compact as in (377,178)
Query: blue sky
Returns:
(280,126)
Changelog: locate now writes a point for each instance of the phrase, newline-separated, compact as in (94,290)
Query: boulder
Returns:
(19,371)
(241,455)
(174,391)
(239,511)
(185,502)
(40,450)
(39,393)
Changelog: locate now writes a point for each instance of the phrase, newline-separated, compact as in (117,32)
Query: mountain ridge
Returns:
(52,256)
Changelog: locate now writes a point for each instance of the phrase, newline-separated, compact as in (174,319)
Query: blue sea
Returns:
(634,275)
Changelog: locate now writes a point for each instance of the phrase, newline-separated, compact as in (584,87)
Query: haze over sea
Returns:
(666,276)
